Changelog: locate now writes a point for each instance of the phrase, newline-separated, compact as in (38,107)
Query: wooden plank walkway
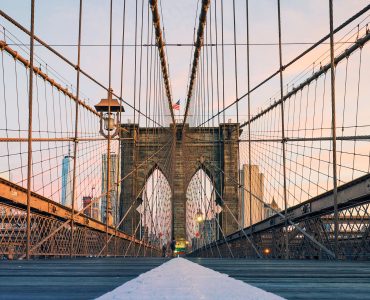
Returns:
(69,278)
(90,278)
(299,279)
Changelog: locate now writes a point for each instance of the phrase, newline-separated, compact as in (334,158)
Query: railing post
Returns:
(283,136)
(29,150)
(75,142)
(334,132)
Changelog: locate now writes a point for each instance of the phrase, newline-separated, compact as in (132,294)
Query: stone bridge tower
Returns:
(179,155)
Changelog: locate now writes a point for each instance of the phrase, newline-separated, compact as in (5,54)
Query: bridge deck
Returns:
(89,278)
(299,279)
(69,279)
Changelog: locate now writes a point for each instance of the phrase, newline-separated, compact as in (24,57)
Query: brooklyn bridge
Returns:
(209,149)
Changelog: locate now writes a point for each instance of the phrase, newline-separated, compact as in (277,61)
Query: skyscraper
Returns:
(95,207)
(86,201)
(271,209)
(257,186)
(113,193)
(66,181)
(207,231)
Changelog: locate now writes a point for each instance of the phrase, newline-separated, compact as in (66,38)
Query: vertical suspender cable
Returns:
(108,204)
(29,158)
(218,108)
(237,107)
(223,102)
(283,136)
(333,128)
(119,124)
(249,118)
(76,131)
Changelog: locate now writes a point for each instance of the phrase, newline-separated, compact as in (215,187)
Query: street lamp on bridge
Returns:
(110,110)
(199,216)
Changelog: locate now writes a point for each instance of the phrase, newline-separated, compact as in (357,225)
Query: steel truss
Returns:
(46,217)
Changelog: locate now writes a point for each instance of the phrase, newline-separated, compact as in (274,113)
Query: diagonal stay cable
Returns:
(209,200)
(235,219)
(222,232)
(356,45)
(92,202)
(131,206)
(312,239)
(51,49)
(129,209)
(344,24)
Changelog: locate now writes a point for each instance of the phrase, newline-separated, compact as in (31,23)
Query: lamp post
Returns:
(110,110)
(199,216)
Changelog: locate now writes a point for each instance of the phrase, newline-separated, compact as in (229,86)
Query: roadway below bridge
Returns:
(90,278)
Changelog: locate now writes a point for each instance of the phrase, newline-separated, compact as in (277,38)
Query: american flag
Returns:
(176,106)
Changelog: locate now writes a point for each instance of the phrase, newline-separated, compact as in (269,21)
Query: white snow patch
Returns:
(180,278)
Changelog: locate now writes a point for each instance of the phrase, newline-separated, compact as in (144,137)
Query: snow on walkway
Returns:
(180,278)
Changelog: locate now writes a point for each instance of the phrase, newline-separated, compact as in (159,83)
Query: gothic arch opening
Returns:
(155,209)
(201,210)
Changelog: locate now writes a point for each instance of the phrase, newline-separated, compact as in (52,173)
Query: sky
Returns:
(303,23)
(57,23)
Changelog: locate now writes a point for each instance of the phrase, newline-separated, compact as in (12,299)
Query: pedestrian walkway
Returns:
(299,279)
(69,279)
(90,278)
(182,279)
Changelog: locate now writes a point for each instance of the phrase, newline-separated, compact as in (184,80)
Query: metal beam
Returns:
(13,194)
(37,71)
(350,194)
(58,54)
(58,139)
(311,139)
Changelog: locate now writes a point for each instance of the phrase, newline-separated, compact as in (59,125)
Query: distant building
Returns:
(143,231)
(195,244)
(153,239)
(257,186)
(269,210)
(113,193)
(86,201)
(95,211)
(207,231)
(66,198)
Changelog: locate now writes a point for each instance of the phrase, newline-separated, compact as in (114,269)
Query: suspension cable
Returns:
(162,54)
(198,46)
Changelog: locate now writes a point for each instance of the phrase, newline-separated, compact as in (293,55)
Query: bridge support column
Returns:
(229,163)
(215,150)
(179,189)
